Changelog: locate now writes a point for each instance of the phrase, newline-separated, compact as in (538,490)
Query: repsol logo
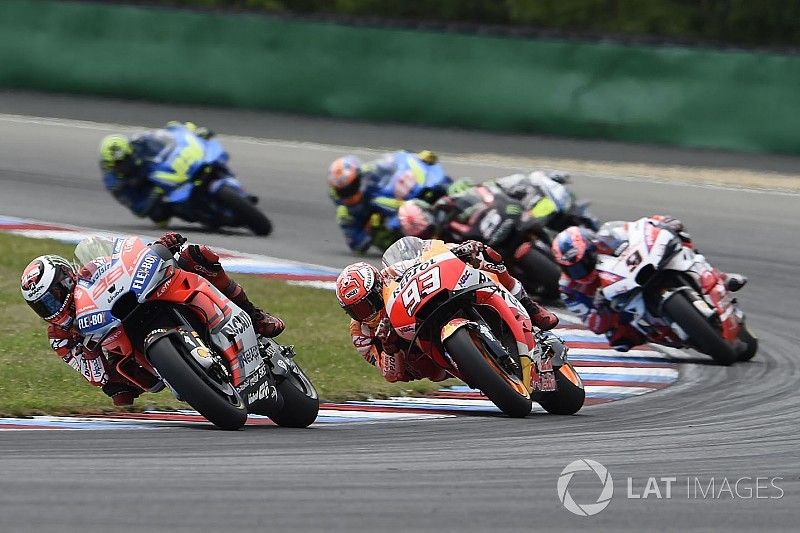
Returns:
(237,325)
(143,271)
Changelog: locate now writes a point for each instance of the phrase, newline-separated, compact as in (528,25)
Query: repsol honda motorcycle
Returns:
(469,325)
(163,326)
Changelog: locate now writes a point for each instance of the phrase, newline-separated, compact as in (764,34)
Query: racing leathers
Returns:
(378,343)
(542,194)
(585,297)
(130,182)
(100,370)
(385,184)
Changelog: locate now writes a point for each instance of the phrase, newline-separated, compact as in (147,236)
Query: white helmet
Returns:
(47,283)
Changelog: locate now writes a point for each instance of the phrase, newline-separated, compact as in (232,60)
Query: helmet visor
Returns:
(52,302)
(49,305)
(365,308)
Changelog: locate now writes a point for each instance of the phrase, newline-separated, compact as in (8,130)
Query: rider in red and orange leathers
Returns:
(359,290)
(576,249)
(47,284)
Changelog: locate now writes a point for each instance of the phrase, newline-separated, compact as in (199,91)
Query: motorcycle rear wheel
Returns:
(244,210)
(300,401)
(702,334)
(568,398)
(481,371)
(540,274)
(750,341)
(226,411)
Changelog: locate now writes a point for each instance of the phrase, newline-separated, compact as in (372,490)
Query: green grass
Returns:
(33,380)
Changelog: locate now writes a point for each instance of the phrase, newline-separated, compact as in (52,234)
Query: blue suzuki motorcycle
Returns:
(198,184)
(412,178)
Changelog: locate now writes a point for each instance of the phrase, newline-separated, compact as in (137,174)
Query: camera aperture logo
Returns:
(585,509)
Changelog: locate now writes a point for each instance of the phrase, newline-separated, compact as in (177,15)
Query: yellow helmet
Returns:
(113,149)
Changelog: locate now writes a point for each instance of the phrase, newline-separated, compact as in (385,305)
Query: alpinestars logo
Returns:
(585,509)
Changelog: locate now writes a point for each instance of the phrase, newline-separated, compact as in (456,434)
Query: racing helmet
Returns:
(46,284)
(417,219)
(359,289)
(115,151)
(574,249)
(344,178)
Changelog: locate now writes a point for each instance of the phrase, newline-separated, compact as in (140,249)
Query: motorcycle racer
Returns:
(47,286)
(576,250)
(127,163)
(359,292)
(541,194)
(367,195)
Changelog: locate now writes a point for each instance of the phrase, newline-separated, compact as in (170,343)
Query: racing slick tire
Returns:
(245,211)
(190,381)
(702,334)
(540,273)
(300,401)
(569,396)
(481,371)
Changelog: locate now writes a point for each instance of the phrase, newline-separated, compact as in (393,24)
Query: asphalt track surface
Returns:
(464,474)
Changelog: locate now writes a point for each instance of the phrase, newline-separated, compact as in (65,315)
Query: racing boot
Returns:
(121,392)
(264,323)
(540,317)
(203,261)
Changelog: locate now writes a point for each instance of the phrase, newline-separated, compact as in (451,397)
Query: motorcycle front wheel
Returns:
(702,335)
(481,371)
(218,402)
(244,210)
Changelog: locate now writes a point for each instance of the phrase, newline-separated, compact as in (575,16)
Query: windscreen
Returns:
(91,248)
(407,248)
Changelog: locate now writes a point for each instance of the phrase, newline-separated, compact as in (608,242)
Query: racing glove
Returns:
(469,252)
(173,241)
(387,337)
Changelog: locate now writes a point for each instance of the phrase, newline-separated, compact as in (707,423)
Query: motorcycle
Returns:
(412,178)
(674,296)
(197,182)
(469,325)
(162,326)
(503,223)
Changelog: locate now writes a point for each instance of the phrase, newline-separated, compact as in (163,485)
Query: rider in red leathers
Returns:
(359,289)
(47,284)
(576,250)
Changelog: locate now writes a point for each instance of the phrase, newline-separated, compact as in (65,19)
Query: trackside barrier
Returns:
(693,97)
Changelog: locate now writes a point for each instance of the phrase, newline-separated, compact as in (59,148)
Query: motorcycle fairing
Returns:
(455,276)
